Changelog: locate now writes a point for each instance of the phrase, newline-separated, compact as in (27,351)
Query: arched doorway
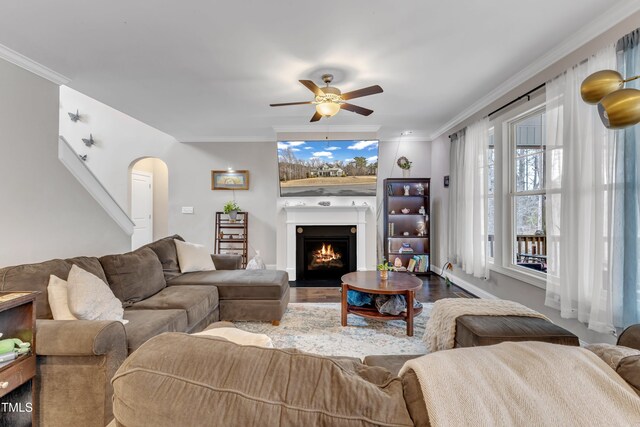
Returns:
(149,200)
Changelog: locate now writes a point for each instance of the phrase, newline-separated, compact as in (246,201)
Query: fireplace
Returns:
(325,252)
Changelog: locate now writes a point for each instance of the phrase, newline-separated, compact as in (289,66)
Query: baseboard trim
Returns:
(458,281)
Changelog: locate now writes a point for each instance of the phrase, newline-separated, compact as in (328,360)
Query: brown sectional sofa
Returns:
(76,359)
(227,384)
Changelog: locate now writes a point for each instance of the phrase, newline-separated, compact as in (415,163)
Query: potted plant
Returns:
(447,266)
(384,267)
(231,208)
(405,165)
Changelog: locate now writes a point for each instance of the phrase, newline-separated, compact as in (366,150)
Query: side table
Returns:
(18,320)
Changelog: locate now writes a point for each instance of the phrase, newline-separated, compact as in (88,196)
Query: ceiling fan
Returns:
(329,100)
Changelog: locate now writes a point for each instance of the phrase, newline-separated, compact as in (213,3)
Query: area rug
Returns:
(315,328)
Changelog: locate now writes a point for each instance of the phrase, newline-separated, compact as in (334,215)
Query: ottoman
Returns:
(472,331)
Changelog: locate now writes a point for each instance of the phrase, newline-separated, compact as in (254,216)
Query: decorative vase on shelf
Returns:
(406,173)
(233,215)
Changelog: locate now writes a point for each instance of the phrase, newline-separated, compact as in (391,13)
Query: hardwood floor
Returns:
(432,290)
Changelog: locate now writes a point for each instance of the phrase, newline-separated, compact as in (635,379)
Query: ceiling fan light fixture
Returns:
(328,108)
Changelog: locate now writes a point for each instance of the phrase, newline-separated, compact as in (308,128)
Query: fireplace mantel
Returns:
(325,215)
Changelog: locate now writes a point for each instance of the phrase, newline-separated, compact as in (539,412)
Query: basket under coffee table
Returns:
(371,283)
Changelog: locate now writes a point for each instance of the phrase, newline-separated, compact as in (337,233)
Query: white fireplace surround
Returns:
(326,215)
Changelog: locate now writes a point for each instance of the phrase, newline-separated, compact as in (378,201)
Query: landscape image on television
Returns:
(327,168)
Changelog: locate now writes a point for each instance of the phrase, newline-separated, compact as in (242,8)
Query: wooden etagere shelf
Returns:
(406,223)
(232,236)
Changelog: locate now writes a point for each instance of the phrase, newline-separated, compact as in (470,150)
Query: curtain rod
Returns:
(513,101)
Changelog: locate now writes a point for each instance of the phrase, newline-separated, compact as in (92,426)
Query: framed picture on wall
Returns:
(230,180)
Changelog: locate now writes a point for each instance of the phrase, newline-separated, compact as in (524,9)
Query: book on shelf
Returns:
(422,263)
(405,249)
(412,265)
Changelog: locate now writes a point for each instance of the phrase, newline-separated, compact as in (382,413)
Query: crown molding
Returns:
(607,20)
(405,139)
(325,129)
(28,64)
(234,139)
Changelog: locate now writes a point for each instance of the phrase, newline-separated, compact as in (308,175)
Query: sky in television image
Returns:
(328,168)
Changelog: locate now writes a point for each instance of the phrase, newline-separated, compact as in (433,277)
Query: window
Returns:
(527,192)
(491,188)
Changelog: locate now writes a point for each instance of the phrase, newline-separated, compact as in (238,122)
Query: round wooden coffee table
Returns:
(370,282)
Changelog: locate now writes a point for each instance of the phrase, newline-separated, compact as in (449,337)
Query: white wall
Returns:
(45,212)
(190,167)
(439,200)
(120,140)
(158,169)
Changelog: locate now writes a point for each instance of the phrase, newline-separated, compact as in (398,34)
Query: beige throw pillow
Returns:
(90,298)
(193,257)
(57,291)
(239,336)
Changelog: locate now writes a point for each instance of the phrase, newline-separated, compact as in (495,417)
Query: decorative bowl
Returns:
(405,211)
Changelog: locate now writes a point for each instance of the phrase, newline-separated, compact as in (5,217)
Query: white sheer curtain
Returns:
(468,198)
(581,157)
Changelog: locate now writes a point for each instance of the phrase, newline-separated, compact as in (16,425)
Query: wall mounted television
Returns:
(327,168)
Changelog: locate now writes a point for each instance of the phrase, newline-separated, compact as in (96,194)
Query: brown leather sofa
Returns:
(76,359)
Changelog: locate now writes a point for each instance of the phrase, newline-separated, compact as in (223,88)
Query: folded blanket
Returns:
(523,383)
(440,332)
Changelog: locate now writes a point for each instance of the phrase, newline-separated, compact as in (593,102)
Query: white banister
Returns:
(81,172)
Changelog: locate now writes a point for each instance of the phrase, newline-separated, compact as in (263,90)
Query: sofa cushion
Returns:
(165,249)
(146,324)
(211,379)
(135,275)
(90,298)
(239,284)
(197,301)
(58,295)
(35,277)
(193,257)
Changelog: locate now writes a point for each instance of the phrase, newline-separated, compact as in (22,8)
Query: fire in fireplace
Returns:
(325,252)
(325,257)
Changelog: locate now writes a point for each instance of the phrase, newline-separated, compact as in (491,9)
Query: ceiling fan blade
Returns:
(312,87)
(371,90)
(317,116)
(356,109)
(290,103)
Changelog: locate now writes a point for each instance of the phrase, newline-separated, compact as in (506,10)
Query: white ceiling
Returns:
(207,69)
